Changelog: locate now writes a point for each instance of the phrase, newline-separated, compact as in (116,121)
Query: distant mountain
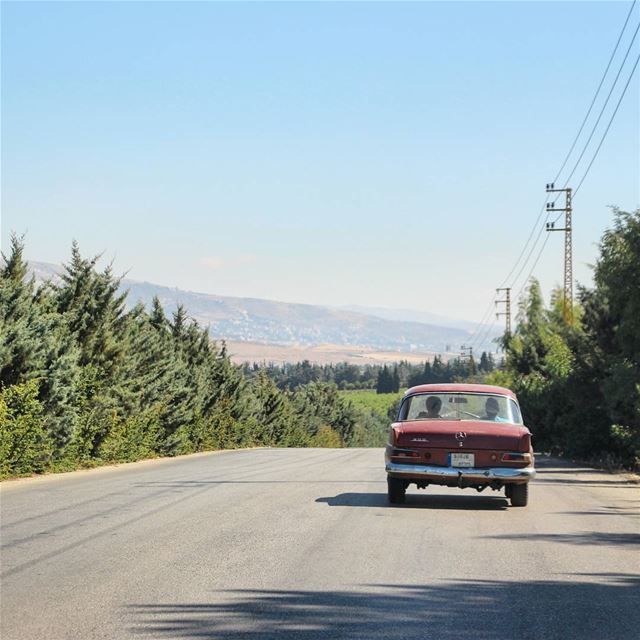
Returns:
(413,316)
(271,322)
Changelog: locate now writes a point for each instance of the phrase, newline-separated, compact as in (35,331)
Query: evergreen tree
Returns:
(384,383)
(395,380)
(93,311)
(22,325)
(472,369)
(273,413)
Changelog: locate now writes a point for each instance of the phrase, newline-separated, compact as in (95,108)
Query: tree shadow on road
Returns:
(585,538)
(546,468)
(620,484)
(606,607)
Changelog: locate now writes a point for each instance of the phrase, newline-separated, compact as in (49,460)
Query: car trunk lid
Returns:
(461,434)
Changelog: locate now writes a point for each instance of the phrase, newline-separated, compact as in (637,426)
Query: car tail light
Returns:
(516,457)
(405,453)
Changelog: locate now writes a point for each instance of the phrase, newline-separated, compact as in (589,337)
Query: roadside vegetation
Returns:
(84,381)
(372,392)
(369,400)
(578,379)
(375,412)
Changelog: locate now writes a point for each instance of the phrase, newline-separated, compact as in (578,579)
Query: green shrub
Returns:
(24,444)
(131,439)
(327,438)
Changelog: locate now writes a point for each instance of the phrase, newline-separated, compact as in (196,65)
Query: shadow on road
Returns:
(547,468)
(195,483)
(605,511)
(606,607)
(415,501)
(586,538)
(620,484)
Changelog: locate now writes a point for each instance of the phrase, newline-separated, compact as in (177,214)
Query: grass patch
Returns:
(369,400)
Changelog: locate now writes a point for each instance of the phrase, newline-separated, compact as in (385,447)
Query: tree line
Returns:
(382,378)
(578,376)
(83,380)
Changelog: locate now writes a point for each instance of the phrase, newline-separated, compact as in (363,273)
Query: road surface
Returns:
(285,543)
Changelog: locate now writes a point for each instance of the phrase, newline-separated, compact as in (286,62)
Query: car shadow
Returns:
(416,501)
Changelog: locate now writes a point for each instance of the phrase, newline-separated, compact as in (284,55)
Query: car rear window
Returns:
(460,406)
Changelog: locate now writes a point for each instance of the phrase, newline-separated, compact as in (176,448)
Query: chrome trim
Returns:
(467,473)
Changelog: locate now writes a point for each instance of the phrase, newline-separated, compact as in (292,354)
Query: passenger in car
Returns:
(433,406)
(492,409)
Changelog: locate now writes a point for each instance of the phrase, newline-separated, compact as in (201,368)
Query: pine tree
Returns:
(273,412)
(22,325)
(93,310)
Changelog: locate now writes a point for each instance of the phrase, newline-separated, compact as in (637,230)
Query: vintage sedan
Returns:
(460,435)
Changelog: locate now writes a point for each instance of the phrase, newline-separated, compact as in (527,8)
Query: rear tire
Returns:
(396,490)
(519,495)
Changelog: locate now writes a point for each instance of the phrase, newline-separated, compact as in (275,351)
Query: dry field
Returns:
(320,354)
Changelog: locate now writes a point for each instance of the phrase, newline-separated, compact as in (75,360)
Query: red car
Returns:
(460,435)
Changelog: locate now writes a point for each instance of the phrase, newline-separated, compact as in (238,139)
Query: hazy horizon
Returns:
(362,309)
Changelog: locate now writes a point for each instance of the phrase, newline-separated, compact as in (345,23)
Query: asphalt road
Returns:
(286,543)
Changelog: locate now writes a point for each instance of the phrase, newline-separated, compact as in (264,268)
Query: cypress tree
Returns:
(395,382)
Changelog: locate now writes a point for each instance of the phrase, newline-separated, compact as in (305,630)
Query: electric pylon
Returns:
(567,302)
(507,311)
(465,352)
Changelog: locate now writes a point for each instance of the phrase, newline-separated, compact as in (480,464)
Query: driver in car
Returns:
(433,406)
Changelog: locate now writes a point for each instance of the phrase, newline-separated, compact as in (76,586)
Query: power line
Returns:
(584,121)
(582,154)
(480,335)
(604,106)
(533,247)
(583,150)
(606,131)
(479,328)
(604,75)
(533,268)
(526,244)
(604,135)
(484,335)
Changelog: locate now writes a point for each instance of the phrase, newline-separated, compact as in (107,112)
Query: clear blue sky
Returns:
(383,154)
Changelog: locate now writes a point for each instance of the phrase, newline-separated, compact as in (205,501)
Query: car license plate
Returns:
(461,459)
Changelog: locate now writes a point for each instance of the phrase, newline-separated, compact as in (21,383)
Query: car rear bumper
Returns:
(424,472)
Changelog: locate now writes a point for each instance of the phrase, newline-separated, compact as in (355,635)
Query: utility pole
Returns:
(466,358)
(507,312)
(567,302)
